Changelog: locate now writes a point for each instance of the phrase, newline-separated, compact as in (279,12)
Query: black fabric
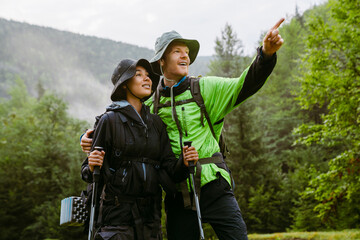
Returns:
(183,86)
(128,233)
(218,207)
(141,150)
(259,71)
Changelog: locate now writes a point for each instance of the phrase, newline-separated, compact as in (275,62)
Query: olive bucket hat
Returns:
(163,42)
(125,70)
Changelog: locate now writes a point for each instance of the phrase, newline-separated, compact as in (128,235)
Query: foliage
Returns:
(229,58)
(330,80)
(270,170)
(294,145)
(346,234)
(40,161)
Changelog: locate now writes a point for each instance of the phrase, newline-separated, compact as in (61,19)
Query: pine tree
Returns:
(331,81)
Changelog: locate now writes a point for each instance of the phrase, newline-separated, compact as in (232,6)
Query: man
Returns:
(185,121)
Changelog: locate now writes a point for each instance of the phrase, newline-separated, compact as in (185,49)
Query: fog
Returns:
(38,59)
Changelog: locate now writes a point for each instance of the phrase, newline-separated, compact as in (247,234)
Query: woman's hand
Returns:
(190,154)
(95,158)
(86,141)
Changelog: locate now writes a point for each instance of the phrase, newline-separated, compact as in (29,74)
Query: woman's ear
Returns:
(161,62)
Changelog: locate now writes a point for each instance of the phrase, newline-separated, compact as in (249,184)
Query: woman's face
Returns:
(140,84)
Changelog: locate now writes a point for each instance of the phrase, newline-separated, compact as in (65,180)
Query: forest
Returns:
(293,147)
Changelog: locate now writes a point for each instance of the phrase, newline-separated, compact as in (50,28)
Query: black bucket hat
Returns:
(125,70)
(163,42)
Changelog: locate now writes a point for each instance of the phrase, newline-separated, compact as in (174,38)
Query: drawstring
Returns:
(172,103)
(141,99)
(167,79)
(171,94)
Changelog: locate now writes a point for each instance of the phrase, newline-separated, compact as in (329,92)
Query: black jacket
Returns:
(136,150)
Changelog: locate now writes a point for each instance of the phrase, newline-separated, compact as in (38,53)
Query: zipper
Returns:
(124,175)
(146,137)
(184,120)
(144,168)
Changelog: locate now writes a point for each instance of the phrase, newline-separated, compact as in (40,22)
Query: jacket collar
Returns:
(129,111)
(178,89)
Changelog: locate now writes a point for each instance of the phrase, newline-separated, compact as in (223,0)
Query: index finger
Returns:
(278,24)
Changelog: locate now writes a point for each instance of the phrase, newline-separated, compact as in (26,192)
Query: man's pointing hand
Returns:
(272,40)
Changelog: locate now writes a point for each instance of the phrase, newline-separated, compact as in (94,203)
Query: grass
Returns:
(341,235)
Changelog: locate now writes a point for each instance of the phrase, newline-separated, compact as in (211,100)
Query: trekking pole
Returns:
(192,171)
(96,177)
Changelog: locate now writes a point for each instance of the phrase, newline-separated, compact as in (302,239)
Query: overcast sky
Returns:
(140,22)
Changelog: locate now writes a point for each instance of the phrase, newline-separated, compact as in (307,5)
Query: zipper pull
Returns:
(124,175)
(144,169)
(184,120)
(146,131)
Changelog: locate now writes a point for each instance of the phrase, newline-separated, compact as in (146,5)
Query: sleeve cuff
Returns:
(86,174)
(264,58)
(82,135)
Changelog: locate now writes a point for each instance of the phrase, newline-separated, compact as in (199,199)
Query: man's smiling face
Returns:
(176,61)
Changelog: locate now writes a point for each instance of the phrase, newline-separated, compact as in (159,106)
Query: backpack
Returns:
(198,99)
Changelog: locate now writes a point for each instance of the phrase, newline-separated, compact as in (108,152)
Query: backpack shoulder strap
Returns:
(157,122)
(196,94)
(114,130)
(97,118)
(156,99)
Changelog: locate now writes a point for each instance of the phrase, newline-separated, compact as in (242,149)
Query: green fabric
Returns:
(219,96)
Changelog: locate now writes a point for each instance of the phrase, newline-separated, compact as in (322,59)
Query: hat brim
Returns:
(129,73)
(192,44)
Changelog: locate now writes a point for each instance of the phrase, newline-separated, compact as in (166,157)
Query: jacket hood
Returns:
(116,105)
(127,109)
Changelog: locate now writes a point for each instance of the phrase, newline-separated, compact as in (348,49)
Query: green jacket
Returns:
(221,96)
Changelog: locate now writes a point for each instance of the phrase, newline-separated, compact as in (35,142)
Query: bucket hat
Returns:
(163,42)
(125,70)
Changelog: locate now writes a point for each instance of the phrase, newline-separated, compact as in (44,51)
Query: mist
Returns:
(39,59)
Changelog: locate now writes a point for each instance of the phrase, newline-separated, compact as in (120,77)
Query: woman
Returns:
(136,155)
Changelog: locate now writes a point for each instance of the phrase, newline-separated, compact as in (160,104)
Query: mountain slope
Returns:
(74,66)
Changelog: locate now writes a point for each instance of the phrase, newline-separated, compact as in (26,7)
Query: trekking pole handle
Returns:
(188,143)
(192,171)
(96,172)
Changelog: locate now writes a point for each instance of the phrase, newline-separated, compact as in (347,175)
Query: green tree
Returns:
(254,174)
(330,81)
(229,58)
(40,160)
